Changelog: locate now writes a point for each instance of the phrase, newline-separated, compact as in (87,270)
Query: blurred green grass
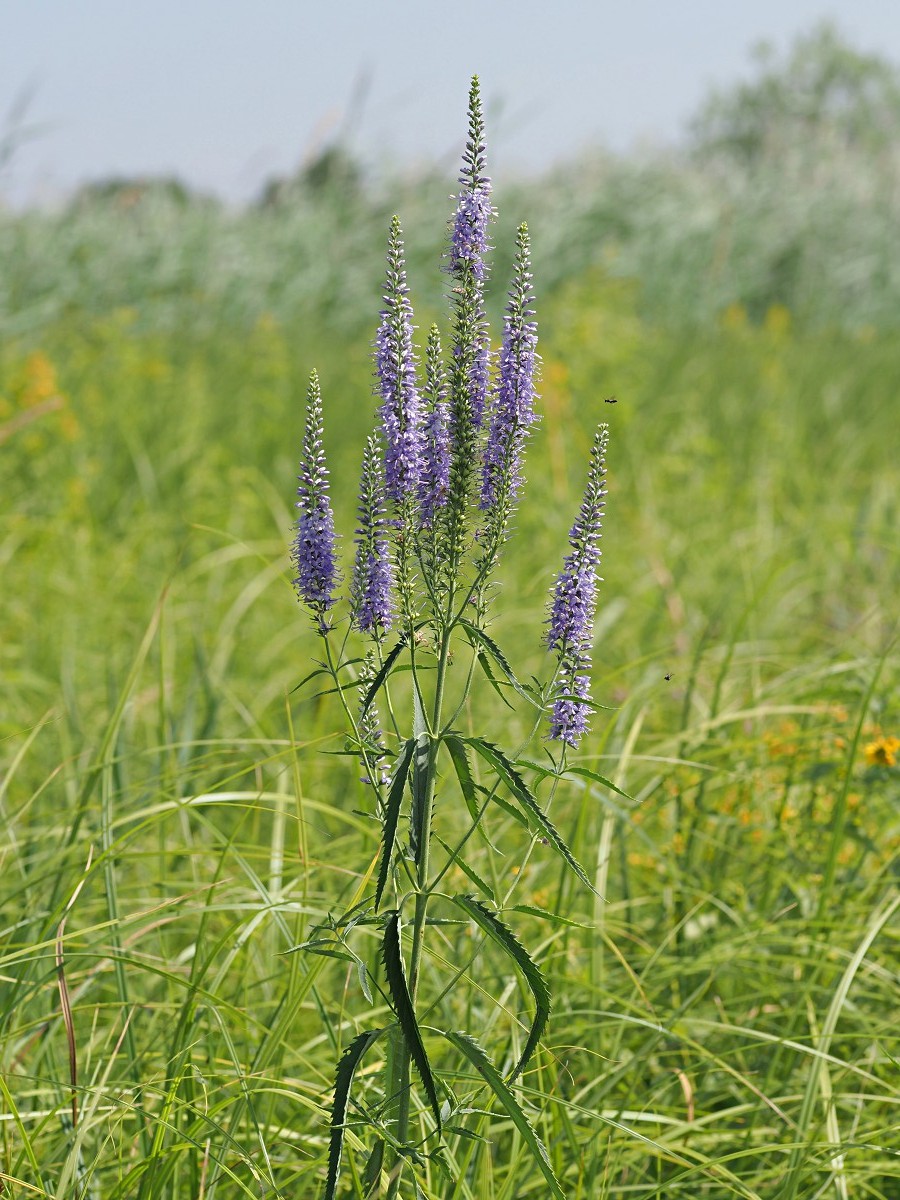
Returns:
(750,553)
(725,1017)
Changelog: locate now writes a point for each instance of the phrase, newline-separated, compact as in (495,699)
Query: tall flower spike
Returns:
(573,603)
(469,241)
(468,247)
(435,480)
(395,363)
(513,411)
(313,548)
(370,590)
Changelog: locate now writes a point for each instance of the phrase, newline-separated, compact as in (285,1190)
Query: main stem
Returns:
(402,1081)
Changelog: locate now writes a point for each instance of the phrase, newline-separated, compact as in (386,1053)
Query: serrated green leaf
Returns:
(343,1081)
(517,785)
(403,1006)
(468,870)
(381,676)
(461,1131)
(460,759)
(485,666)
(392,818)
(372,1169)
(475,1054)
(491,924)
(546,915)
(485,640)
(595,777)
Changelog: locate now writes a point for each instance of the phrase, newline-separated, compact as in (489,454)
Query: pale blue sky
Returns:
(227,92)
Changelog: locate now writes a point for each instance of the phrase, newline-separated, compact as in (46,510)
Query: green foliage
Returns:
(787,193)
(689,1001)
(821,91)
(724,1017)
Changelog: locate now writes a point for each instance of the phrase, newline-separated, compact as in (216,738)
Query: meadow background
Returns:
(725,1021)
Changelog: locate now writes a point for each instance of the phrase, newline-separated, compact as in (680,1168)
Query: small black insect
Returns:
(667,677)
(611,400)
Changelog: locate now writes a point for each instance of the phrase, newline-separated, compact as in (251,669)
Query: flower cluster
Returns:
(434,482)
(513,411)
(370,590)
(469,240)
(882,752)
(313,548)
(401,415)
(441,476)
(573,603)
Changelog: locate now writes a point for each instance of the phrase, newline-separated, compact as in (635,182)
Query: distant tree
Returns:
(125,193)
(332,171)
(821,88)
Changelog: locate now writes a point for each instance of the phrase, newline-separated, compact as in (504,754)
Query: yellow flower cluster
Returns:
(883,751)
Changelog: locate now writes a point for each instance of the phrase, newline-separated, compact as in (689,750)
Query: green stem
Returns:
(401,1070)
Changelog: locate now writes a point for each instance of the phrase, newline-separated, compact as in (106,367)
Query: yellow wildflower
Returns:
(883,751)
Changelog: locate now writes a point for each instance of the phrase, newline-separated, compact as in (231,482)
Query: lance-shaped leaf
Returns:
(483,639)
(585,773)
(403,1006)
(506,939)
(489,1073)
(519,788)
(455,743)
(468,869)
(343,1081)
(484,662)
(460,759)
(381,676)
(392,817)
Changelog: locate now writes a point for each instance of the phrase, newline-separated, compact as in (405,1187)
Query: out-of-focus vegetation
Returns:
(788,192)
(726,1023)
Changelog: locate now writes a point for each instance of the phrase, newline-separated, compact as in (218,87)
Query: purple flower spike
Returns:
(513,412)
(571,619)
(313,549)
(372,573)
(395,362)
(469,240)
(569,718)
(435,480)
(468,246)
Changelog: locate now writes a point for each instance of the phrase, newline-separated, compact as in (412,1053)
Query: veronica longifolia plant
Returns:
(442,473)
